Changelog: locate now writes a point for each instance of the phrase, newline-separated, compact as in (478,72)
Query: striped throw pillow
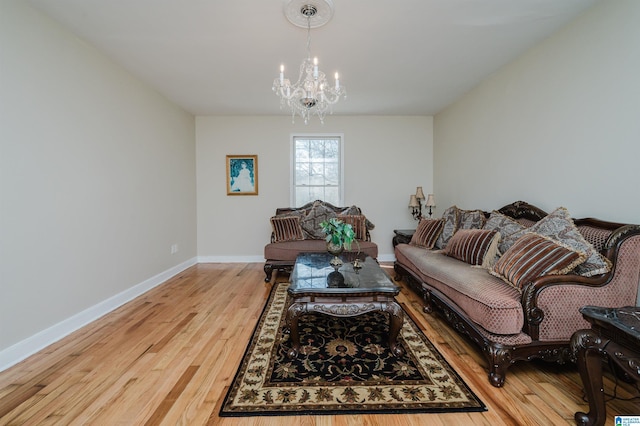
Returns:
(357,222)
(474,246)
(286,228)
(533,256)
(427,232)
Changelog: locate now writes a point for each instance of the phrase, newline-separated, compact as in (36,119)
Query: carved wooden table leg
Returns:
(396,318)
(296,309)
(588,348)
(293,315)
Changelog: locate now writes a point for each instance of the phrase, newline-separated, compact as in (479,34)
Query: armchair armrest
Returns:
(551,303)
(537,298)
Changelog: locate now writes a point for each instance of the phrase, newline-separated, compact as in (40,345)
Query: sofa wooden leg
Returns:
(428,307)
(397,273)
(268,270)
(500,358)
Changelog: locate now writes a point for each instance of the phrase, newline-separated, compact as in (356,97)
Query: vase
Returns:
(335,279)
(335,250)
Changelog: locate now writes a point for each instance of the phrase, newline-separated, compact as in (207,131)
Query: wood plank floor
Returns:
(168,356)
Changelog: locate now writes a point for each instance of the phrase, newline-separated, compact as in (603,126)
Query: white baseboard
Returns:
(230,259)
(386,257)
(27,347)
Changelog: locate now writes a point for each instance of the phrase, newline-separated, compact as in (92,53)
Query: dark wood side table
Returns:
(402,236)
(614,334)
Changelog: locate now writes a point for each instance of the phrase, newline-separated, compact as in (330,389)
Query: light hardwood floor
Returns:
(167,357)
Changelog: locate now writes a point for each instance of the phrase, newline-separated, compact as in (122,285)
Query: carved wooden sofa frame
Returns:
(286,265)
(499,356)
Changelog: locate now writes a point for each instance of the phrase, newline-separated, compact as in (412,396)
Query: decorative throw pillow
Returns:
(427,233)
(351,210)
(533,256)
(357,222)
(450,217)
(474,246)
(286,228)
(559,226)
(470,219)
(506,226)
(355,210)
(311,221)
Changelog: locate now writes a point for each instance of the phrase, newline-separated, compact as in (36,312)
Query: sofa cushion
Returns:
(289,250)
(427,232)
(487,300)
(527,223)
(450,217)
(474,246)
(357,222)
(506,226)
(596,236)
(533,256)
(286,228)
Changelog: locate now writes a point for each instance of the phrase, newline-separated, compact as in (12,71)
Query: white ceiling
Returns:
(400,57)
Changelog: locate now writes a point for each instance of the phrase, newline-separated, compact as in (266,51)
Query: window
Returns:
(316,169)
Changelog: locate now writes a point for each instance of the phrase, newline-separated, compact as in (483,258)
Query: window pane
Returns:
(302,150)
(316,193)
(332,174)
(332,150)
(316,149)
(302,174)
(316,177)
(302,196)
(332,195)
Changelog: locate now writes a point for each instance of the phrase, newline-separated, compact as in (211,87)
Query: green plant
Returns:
(338,232)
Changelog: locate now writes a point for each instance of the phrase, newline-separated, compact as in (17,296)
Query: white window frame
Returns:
(292,183)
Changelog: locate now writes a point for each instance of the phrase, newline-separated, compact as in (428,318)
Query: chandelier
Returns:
(311,94)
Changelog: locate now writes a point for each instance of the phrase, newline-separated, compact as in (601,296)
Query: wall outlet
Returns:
(174,248)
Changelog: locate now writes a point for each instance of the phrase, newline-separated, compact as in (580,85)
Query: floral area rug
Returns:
(344,366)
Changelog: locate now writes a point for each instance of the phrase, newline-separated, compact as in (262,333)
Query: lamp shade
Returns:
(431,201)
(419,193)
(413,201)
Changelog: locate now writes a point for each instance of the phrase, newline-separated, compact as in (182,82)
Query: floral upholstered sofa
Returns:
(297,230)
(513,280)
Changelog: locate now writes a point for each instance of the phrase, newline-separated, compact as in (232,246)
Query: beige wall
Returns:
(560,126)
(557,127)
(385,159)
(97,181)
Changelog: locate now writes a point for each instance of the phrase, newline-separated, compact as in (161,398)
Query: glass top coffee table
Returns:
(348,292)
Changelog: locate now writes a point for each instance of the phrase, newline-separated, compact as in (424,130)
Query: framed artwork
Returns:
(242,175)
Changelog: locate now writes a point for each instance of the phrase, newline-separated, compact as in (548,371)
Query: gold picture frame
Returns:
(242,175)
